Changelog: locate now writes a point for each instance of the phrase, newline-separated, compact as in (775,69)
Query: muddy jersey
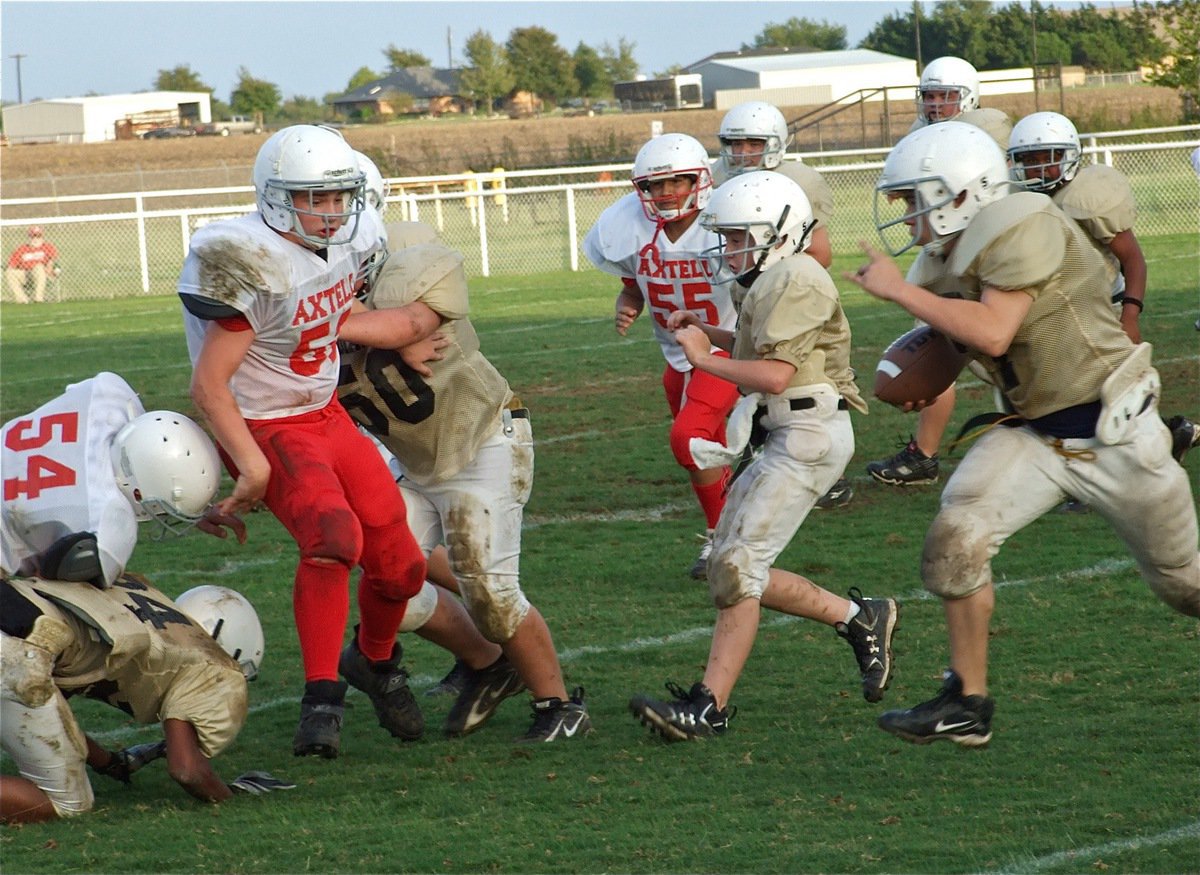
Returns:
(816,189)
(434,426)
(134,649)
(59,480)
(294,299)
(670,275)
(792,313)
(1070,340)
(1100,199)
(993,122)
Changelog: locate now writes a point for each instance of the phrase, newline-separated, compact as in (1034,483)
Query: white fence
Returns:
(118,245)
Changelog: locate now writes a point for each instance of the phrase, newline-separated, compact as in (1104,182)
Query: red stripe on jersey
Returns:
(235,323)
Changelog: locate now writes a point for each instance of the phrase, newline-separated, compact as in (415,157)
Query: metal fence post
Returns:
(143,250)
(572,229)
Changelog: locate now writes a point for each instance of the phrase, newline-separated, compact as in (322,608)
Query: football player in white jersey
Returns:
(266,298)
(464,446)
(949,91)
(755,136)
(791,356)
(651,240)
(1035,313)
(83,469)
(133,648)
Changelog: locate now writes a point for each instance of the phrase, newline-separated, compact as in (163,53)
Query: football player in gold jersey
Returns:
(1035,314)
(464,447)
(133,648)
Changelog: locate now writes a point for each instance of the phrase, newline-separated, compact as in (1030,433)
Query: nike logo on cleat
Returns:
(943,726)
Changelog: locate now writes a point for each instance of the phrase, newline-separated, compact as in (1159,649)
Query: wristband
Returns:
(1126,299)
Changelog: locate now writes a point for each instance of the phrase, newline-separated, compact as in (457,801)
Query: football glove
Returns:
(124,763)
(258,783)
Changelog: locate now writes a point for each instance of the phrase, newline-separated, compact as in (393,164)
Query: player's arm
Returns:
(719,337)
(1128,251)
(188,765)
(390,328)
(759,375)
(987,325)
(220,356)
(629,305)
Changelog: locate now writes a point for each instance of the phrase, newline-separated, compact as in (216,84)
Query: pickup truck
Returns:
(238,124)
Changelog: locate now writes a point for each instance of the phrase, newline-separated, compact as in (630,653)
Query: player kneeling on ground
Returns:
(791,356)
(133,648)
(1035,313)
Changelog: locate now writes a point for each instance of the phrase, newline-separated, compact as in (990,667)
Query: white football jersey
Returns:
(294,299)
(59,480)
(671,276)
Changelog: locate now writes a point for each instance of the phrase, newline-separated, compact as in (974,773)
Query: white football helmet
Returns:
(948,74)
(302,159)
(231,620)
(665,157)
(167,467)
(755,120)
(923,178)
(376,186)
(1044,132)
(773,211)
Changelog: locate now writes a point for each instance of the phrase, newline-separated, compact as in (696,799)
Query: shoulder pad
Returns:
(992,221)
(993,122)
(414,273)
(816,189)
(233,261)
(401,235)
(1096,191)
(616,233)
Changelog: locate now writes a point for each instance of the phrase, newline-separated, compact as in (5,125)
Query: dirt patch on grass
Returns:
(452,145)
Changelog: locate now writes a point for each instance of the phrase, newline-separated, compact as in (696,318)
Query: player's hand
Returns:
(677,319)
(416,355)
(248,491)
(625,317)
(123,763)
(695,343)
(214,523)
(258,783)
(879,276)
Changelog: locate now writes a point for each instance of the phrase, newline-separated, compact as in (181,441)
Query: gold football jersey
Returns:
(1070,340)
(433,425)
(1100,199)
(133,648)
(816,189)
(792,313)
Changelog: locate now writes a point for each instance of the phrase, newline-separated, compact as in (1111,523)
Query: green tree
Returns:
(361,77)
(591,74)
(619,63)
(181,78)
(540,64)
(398,59)
(302,110)
(1181,23)
(254,95)
(488,74)
(797,32)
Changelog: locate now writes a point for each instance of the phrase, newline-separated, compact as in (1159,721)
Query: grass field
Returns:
(1095,764)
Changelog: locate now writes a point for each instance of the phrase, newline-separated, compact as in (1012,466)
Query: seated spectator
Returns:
(37,259)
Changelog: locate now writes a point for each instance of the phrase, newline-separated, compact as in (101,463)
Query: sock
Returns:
(712,499)
(852,612)
(321,604)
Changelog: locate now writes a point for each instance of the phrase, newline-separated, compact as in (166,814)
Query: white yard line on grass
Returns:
(1082,858)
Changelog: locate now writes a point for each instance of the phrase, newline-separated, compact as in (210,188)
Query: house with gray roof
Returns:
(410,91)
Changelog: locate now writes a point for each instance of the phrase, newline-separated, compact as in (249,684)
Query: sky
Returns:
(312,47)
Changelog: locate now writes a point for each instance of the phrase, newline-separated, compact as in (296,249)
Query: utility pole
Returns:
(20,95)
(917,27)
(449,51)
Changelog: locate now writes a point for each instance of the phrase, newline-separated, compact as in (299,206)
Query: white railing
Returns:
(504,222)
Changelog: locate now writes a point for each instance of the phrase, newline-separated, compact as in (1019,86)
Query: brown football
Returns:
(918,366)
